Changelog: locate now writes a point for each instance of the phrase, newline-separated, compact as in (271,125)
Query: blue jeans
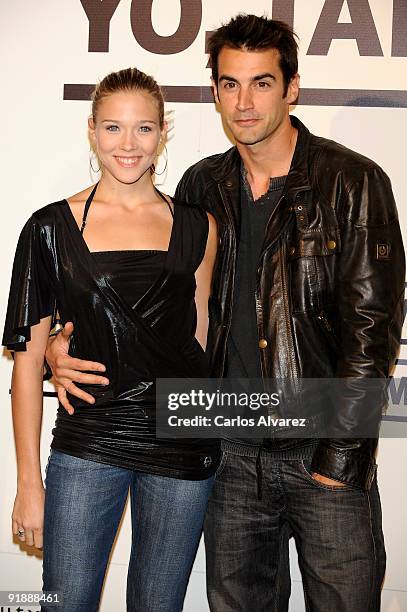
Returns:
(337,531)
(84,502)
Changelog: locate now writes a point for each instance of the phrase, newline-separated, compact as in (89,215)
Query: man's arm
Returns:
(370,293)
(67,370)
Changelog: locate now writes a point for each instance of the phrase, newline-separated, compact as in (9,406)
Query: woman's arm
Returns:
(203,277)
(26,399)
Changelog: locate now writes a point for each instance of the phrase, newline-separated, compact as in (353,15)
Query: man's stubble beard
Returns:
(251,139)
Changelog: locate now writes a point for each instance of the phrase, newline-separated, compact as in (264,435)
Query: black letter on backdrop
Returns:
(147,37)
(99,13)
(284,11)
(399,40)
(208,34)
(362,28)
(398,395)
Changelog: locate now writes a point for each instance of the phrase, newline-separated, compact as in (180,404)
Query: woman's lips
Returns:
(127,162)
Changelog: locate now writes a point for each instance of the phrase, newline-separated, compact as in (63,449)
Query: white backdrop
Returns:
(45,154)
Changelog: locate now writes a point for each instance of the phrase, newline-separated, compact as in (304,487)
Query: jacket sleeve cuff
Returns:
(349,466)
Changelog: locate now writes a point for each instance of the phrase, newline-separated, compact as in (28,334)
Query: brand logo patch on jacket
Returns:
(382,250)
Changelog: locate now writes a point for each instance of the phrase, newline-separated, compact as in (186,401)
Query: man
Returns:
(309,284)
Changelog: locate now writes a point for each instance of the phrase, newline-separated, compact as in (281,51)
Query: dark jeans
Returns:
(84,502)
(337,531)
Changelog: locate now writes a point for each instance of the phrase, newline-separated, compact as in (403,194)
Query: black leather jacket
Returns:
(330,280)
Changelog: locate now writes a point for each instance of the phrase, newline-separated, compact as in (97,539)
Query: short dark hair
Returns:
(255,33)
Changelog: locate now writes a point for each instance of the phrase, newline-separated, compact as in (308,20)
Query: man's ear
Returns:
(293,89)
(215,91)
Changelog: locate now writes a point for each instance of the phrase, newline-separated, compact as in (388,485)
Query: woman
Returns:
(132,270)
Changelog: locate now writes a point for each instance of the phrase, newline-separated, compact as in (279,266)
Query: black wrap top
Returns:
(138,343)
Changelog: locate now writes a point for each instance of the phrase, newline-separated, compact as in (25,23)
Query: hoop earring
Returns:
(91,153)
(165,165)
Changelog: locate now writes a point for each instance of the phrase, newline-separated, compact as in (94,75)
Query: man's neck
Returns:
(269,158)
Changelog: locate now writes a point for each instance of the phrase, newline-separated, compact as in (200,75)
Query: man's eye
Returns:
(263,84)
(230,85)
(112,128)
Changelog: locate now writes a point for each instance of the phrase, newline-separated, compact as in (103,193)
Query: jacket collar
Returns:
(227,172)
(227,176)
(228,169)
(298,175)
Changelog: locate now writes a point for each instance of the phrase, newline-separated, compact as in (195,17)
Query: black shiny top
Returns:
(131,273)
(151,339)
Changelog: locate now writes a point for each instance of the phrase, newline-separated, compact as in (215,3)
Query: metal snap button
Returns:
(331,244)
(207,461)
(263,343)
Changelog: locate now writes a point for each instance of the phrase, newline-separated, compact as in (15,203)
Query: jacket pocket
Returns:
(327,330)
(312,257)
(314,243)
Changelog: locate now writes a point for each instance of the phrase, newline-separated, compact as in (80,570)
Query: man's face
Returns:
(250,92)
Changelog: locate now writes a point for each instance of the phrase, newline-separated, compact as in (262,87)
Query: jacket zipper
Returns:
(264,250)
(284,283)
(327,328)
(321,317)
(229,323)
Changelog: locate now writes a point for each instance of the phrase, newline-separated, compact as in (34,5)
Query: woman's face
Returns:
(126,134)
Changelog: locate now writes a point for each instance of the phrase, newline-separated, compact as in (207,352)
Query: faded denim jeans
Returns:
(84,502)
(337,532)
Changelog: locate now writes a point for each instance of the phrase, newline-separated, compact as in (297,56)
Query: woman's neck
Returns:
(126,195)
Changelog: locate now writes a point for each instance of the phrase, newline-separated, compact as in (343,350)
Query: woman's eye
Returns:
(145,128)
(112,128)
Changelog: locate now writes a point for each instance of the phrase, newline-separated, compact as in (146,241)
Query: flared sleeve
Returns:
(31,297)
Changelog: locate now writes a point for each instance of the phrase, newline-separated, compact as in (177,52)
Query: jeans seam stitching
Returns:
(306,596)
(222,464)
(284,507)
(372,588)
(278,580)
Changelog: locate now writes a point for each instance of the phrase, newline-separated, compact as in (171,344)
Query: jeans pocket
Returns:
(305,466)
(222,464)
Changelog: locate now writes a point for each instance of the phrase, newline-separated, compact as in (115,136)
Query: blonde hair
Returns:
(128,79)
